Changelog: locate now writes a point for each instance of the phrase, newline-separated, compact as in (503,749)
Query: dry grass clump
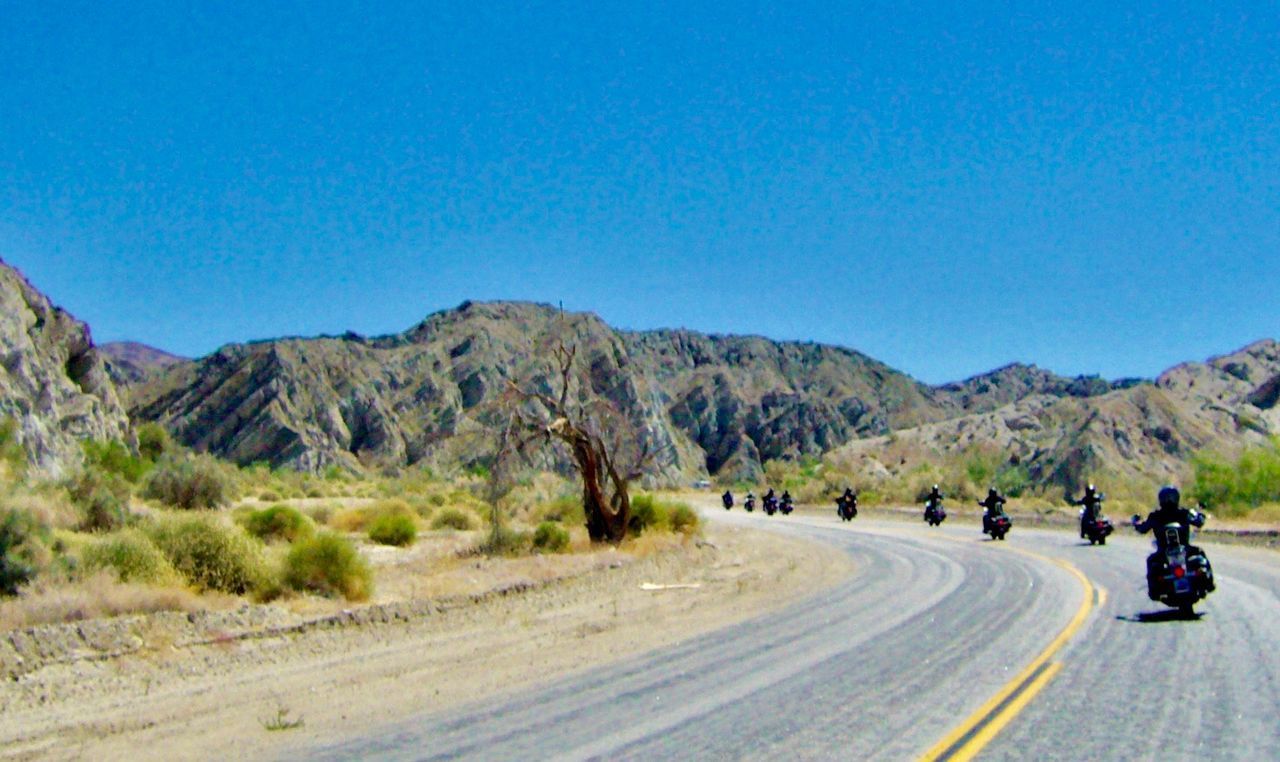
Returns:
(650,514)
(279,522)
(328,565)
(393,529)
(132,557)
(100,595)
(551,537)
(192,483)
(454,518)
(358,519)
(213,555)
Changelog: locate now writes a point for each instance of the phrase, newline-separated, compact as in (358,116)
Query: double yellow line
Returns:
(969,738)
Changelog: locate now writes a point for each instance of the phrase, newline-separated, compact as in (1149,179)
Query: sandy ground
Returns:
(219,700)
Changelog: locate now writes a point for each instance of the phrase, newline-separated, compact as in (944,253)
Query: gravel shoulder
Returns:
(216,698)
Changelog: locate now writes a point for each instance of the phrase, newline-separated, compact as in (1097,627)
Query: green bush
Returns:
(505,541)
(133,558)
(1236,488)
(113,457)
(454,518)
(12,454)
(190,483)
(279,522)
(19,534)
(328,565)
(646,514)
(567,509)
(683,519)
(393,529)
(154,442)
(102,498)
(550,537)
(211,555)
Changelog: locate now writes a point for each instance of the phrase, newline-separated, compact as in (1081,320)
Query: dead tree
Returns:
(607,450)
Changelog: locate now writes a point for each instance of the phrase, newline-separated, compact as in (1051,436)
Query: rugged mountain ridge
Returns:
(53,383)
(710,402)
(1140,432)
(130,363)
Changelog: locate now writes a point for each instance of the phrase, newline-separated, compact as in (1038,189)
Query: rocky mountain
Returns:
(1139,432)
(53,382)
(712,402)
(1017,381)
(130,363)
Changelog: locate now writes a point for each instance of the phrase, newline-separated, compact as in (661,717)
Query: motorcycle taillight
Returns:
(1179,572)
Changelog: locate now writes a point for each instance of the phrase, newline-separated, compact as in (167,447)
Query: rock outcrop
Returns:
(53,382)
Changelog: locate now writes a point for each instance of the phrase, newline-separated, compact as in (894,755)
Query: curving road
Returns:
(914,656)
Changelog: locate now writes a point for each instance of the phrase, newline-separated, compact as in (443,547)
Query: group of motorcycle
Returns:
(1178,573)
(769,503)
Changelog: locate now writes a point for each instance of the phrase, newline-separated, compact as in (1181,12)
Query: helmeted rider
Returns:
(786,496)
(1172,512)
(727,499)
(769,498)
(1092,503)
(848,500)
(934,497)
(993,506)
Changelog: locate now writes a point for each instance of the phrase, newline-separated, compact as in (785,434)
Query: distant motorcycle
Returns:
(997,526)
(934,513)
(847,507)
(750,504)
(770,506)
(786,506)
(1097,529)
(727,499)
(1178,576)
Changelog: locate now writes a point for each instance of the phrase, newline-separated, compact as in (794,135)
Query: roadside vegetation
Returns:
(154,526)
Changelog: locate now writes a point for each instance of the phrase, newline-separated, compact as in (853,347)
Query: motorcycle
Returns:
(750,504)
(786,506)
(1097,529)
(996,526)
(846,509)
(1179,576)
(934,514)
(727,499)
(770,506)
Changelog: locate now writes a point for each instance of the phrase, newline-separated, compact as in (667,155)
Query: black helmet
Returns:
(992,491)
(1091,488)
(1169,497)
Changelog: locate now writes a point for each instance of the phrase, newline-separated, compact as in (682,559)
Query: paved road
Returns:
(935,624)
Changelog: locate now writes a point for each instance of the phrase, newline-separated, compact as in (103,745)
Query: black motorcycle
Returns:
(727,499)
(934,513)
(1096,529)
(1178,575)
(847,508)
(786,506)
(750,504)
(770,506)
(997,526)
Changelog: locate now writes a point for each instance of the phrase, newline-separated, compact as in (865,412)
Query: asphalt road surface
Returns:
(942,645)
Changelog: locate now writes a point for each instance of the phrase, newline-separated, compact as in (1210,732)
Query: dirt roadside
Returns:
(215,699)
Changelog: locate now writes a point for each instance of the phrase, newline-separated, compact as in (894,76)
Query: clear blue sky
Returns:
(1093,187)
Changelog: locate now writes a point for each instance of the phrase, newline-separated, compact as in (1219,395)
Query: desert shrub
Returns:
(191,483)
(566,509)
(19,538)
(454,518)
(212,555)
(393,529)
(12,456)
(505,541)
(683,518)
(328,565)
(102,499)
(113,457)
(132,556)
(269,497)
(550,537)
(279,522)
(1236,488)
(647,513)
(154,442)
(359,519)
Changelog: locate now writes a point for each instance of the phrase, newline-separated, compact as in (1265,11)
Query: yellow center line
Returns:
(969,738)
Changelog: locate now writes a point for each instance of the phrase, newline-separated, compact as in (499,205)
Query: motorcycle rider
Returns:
(1172,512)
(993,506)
(769,498)
(848,500)
(933,500)
(750,501)
(786,497)
(1092,503)
(727,499)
